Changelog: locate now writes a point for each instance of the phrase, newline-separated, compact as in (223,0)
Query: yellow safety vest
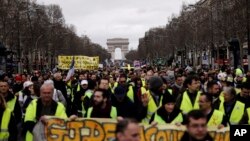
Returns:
(237,112)
(78,88)
(170,91)
(89,95)
(115,85)
(177,119)
(215,119)
(113,112)
(4,132)
(186,104)
(112,90)
(130,93)
(31,115)
(221,103)
(152,107)
(11,104)
(248,113)
(143,82)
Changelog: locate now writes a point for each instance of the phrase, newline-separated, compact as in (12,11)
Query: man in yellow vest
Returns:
(233,109)
(215,118)
(102,107)
(8,128)
(39,108)
(11,101)
(189,99)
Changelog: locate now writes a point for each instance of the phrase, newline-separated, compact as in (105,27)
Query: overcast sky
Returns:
(104,19)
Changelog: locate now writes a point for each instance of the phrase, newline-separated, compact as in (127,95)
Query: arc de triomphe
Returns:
(114,43)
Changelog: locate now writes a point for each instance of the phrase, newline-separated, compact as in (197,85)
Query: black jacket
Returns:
(77,102)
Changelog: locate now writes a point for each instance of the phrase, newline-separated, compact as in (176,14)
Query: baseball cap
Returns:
(27,84)
(84,82)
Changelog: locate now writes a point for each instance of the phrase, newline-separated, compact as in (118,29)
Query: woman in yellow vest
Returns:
(8,126)
(168,113)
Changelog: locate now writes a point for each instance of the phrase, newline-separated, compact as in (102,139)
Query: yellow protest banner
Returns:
(81,62)
(104,130)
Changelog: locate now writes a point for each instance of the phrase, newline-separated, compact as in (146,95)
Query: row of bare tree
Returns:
(207,25)
(38,33)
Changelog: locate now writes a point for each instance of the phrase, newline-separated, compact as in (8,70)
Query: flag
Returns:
(71,69)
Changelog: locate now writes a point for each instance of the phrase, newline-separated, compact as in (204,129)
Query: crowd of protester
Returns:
(146,95)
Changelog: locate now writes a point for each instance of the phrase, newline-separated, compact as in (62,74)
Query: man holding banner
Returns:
(41,107)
